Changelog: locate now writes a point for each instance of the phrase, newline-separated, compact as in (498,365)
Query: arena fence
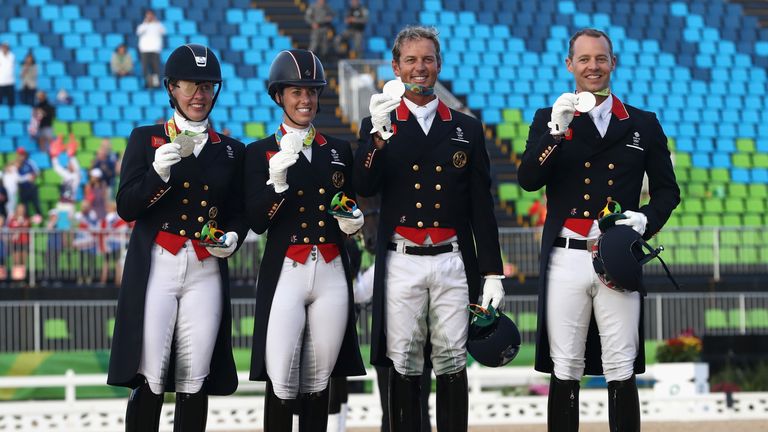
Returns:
(35,257)
(88,325)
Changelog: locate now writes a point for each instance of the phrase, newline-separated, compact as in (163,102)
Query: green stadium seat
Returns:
(518,145)
(81,129)
(749,255)
(720,175)
(715,319)
(711,220)
(713,205)
(119,144)
(760,160)
(737,190)
(85,159)
(755,205)
(682,255)
(699,175)
(683,175)
(682,160)
(753,220)
(506,131)
(671,144)
(692,205)
(757,318)
(255,130)
(92,143)
(110,327)
(49,193)
(49,176)
(512,116)
(55,328)
(60,128)
(704,256)
(734,317)
(696,190)
(522,130)
(758,190)
(509,191)
(246,326)
(742,160)
(734,205)
(689,220)
(732,220)
(745,145)
(729,255)
(526,321)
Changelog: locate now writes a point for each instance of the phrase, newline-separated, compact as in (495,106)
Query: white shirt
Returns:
(424,113)
(150,36)
(601,115)
(7,65)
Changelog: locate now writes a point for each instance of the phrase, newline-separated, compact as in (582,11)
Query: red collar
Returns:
(443,111)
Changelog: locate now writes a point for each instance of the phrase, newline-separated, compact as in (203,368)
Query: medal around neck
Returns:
(585,101)
(187,142)
(394,89)
(291,142)
(343,206)
(211,236)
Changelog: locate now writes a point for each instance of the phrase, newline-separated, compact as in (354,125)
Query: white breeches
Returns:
(426,293)
(183,304)
(307,322)
(573,292)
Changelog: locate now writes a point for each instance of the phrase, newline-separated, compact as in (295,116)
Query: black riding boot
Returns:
(404,403)
(452,402)
(563,405)
(143,412)
(313,411)
(191,412)
(623,406)
(278,413)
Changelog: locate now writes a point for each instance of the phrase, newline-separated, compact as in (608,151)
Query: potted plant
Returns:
(679,370)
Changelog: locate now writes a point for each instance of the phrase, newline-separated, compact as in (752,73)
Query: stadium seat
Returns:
(55,328)
(715,319)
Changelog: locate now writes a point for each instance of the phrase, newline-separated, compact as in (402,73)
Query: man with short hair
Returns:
(589,160)
(150,33)
(437,233)
(7,75)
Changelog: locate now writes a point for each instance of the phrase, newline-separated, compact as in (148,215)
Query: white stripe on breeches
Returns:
(183,301)
(426,292)
(307,322)
(573,291)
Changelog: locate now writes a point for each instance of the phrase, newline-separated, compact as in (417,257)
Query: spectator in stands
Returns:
(7,75)
(150,33)
(291,178)
(319,16)
(11,185)
(352,36)
(537,212)
(28,80)
(28,173)
(114,242)
(19,225)
(58,225)
(5,238)
(121,62)
(106,161)
(70,183)
(175,289)
(3,200)
(436,205)
(97,192)
(585,161)
(44,113)
(63,97)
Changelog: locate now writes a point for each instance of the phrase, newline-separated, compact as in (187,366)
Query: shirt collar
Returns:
(603,111)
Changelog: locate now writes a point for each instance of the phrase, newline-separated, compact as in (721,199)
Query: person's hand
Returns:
(493,293)
(165,157)
(230,241)
(278,169)
(351,225)
(562,113)
(636,220)
(380,107)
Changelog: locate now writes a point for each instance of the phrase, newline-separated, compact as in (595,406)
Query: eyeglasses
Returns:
(189,88)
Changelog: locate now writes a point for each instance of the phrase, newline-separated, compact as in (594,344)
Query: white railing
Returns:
(490,404)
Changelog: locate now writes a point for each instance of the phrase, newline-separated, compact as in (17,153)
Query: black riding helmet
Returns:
(195,63)
(295,68)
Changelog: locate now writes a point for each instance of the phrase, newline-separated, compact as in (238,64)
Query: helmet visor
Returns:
(189,88)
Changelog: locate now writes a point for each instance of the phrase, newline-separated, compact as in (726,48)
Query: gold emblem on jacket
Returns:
(338,179)
(459,159)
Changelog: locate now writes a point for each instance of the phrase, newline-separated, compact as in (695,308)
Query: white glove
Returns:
(562,113)
(493,293)
(351,225)
(278,169)
(165,156)
(636,220)
(230,240)
(380,107)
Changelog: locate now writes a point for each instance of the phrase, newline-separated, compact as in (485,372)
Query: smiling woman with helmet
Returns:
(173,325)
(306,327)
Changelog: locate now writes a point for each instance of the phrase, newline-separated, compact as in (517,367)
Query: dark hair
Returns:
(591,33)
(411,33)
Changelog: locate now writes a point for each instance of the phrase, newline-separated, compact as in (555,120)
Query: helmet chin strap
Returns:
(279,97)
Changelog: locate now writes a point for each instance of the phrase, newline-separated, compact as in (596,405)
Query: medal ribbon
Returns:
(420,89)
(307,139)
